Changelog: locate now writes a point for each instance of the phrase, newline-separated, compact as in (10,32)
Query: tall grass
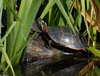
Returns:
(1,7)
(18,28)
(55,12)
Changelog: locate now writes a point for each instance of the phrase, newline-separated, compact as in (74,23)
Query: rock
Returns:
(37,49)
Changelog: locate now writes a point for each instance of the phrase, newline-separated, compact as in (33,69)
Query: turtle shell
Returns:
(64,36)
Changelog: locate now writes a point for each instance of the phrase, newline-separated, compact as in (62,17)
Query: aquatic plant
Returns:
(13,43)
(55,12)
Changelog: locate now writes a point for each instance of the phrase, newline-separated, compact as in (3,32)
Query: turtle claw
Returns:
(48,45)
(36,37)
(50,41)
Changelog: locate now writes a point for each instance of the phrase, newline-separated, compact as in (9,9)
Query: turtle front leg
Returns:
(48,44)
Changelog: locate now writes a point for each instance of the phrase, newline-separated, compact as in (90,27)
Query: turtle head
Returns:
(41,24)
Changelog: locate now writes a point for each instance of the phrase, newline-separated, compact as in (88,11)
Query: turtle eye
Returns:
(43,24)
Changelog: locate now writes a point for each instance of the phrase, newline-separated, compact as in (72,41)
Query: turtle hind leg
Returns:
(86,53)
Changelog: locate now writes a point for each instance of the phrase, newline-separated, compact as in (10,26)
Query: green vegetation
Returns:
(15,40)
(55,12)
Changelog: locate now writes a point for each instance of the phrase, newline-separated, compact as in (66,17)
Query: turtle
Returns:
(63,36)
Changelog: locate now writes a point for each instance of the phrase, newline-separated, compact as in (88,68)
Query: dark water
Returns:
(62,66)
(66,65)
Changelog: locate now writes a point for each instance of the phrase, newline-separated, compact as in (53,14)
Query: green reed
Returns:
(54,12)
(18,28)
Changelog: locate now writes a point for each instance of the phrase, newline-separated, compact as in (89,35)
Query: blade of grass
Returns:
(88,6)
(93,22)
(96,8)
(94,34)
(65,14)
(56,17)
(1,7)
(84,33)
(23,13)
(8,31)
(10,8)
(16,58)
(61,22)
(84,13)
(72,6)
(5,70)
(97,52)
(47,8)
(31,16)
(30,19)
(79,17)
(2,57)
(10,19)
(6,58)
(91,74)
(70,11)
(24,28)
(97,71)
(51,17)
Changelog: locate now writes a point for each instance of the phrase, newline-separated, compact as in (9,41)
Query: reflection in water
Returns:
(66,65)
(51,67)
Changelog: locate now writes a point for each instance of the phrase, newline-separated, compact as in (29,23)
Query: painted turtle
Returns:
(62,36)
